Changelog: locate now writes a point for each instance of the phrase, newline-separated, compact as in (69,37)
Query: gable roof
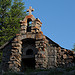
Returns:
(4,45)
(52,42)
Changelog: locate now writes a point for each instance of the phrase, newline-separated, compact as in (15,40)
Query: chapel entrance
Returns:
(28,63)
(28,54)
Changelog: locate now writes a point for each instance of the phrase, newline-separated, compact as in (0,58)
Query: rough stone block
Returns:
(64,56)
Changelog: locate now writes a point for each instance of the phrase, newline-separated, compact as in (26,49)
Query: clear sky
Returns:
(58,19)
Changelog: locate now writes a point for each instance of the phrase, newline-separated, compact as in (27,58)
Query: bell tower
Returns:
(30,24)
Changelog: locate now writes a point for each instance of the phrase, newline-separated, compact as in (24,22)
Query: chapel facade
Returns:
(32,49)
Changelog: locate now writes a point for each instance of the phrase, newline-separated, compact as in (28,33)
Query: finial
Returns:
(30,10)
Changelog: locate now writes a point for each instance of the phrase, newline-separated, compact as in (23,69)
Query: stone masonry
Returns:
(30,48)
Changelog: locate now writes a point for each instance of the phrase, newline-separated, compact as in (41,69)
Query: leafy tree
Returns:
(73,47)
(11,12)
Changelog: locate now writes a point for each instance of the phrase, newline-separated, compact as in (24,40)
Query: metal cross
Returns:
(30,10)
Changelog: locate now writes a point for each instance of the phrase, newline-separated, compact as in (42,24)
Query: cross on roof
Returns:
(30,10)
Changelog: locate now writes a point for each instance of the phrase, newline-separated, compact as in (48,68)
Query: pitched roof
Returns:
(3,46)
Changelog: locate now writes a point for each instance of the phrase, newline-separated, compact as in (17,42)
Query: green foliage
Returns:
(4,6)
(73,47)
(11,12)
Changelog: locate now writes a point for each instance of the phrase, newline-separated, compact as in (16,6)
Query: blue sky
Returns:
(58,19)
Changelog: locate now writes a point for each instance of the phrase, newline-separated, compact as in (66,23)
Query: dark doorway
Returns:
(29,52)
(28,63)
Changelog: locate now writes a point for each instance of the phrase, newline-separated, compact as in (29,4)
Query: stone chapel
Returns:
(32,49)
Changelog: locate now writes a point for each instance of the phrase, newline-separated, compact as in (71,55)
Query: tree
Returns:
(4,9)
(73,47)
(10,15)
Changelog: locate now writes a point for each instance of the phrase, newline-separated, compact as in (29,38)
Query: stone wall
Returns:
(65,58)
(6,57)
(15,58)
(42,56)
(46,55)
(52,57)
(58,56)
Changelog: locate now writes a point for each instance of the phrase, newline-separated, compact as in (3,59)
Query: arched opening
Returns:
(29,52)
(29,23)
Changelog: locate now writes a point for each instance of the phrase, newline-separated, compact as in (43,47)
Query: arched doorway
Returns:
(29,61)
